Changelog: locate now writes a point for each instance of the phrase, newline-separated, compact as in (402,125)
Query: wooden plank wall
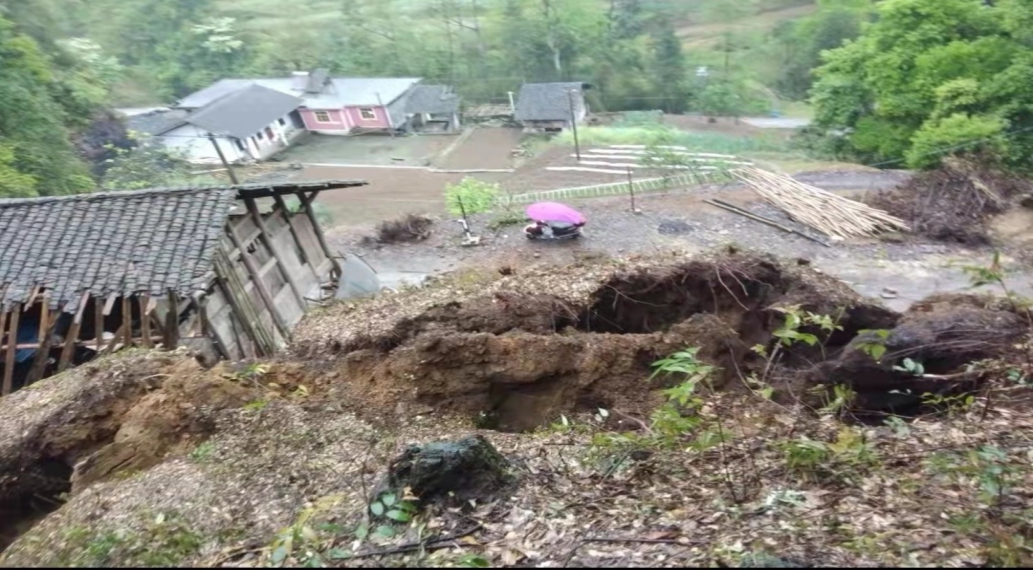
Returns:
(271,269)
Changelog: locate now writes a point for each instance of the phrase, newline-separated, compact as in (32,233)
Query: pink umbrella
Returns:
(553,212)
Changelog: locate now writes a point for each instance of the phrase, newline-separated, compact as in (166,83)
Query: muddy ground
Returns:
(897,269)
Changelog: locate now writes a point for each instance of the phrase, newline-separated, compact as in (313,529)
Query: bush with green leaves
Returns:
(476,196)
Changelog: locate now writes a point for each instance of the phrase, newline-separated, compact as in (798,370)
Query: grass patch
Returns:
(167,540)
(694,142)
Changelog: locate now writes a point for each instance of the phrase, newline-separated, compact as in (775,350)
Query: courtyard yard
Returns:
(371,149)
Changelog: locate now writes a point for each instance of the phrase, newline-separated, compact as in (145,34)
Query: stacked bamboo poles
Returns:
(838,217)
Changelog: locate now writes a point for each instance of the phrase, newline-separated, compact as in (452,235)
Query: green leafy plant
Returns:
(875,346)
(911,367)
(476,196)
(850,454)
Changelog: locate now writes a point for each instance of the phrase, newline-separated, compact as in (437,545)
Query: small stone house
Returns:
(547,107)
(227,271)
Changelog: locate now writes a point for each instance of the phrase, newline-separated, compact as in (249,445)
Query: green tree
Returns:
(670,70)
(926,75)
(148,165)
(32,129)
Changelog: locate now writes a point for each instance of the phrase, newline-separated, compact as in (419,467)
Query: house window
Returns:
(240,144)
(282,122)
(368,114)
(258,136)
(322,117)
(269,133)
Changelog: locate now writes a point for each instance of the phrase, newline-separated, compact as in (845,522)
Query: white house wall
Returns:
(193,143)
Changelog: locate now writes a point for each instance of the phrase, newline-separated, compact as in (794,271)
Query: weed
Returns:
(256,405)
(505,218)
(847,456)
(166,540)
(202,452)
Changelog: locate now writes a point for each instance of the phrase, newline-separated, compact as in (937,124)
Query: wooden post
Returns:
(127,320)
(222,158)
(256,276)
(240,303)
(145,320)
(98,324)
(12,344)
(289,216)
(39,362)
(277,254)
(73,334)
(307,204)
(171,336)
(43,314)
(631,190)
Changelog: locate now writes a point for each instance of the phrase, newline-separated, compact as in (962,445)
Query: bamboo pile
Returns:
(838,217)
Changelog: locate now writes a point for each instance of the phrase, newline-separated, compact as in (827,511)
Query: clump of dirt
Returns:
(408,228)
(517,361)
(953,202)
(119,414)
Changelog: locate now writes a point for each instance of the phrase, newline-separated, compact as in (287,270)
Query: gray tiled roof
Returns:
(157,122)
(243,113)
(131,242)
(339,91)
(432,99)
(545,101)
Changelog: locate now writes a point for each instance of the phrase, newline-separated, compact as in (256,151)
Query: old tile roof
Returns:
(338,92)
(157,122)
(432,99)
(144,241)
(245,112)
(545,101)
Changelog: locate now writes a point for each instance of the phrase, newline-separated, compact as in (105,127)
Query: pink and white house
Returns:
(329,105)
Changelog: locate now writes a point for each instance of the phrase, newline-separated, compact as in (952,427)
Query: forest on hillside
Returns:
(67,63)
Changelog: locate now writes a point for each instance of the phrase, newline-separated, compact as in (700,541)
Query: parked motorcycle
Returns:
(554,222)
(553,231)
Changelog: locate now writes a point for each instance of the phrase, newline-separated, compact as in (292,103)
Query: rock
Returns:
(1026,201)
(448,472)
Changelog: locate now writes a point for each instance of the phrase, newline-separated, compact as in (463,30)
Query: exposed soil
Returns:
(485,147)
(520,359)
(121,415)
(512,352)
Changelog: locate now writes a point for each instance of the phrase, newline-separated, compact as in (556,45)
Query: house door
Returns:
(296,120)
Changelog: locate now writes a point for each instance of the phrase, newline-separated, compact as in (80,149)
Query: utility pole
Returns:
(573,124)
(222,157)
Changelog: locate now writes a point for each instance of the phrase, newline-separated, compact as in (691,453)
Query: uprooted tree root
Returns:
(517,361)
(408,228)
(953,202)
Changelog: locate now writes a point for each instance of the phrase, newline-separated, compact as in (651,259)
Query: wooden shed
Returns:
(226,270)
